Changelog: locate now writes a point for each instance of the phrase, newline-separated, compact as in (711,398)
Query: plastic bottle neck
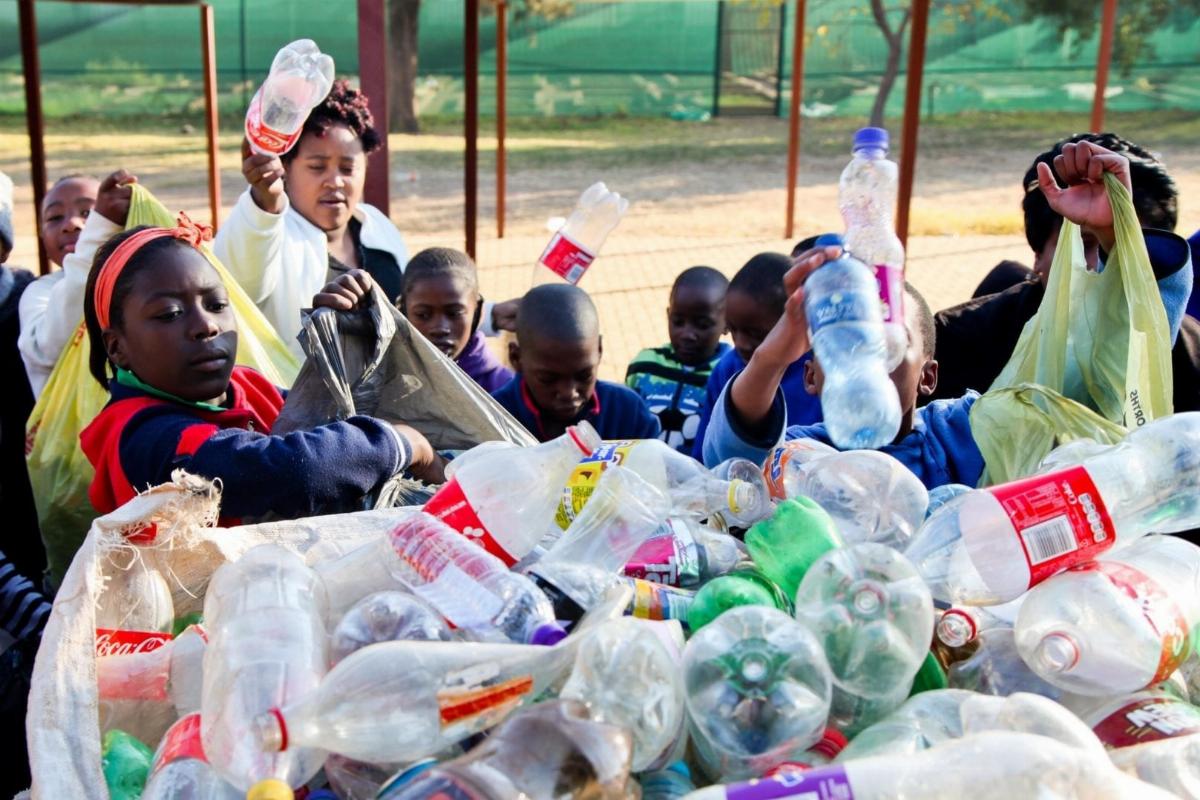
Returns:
(1057,653)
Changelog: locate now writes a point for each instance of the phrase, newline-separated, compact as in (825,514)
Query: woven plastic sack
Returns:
(63,721)
(58,470)
(373,361)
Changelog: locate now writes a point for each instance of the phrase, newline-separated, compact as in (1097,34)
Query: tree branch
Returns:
(880,14)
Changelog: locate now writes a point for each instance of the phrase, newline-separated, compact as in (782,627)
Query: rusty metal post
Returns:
(373,78)
(471,121)
(793,163)
(1108,22)
(912,113)
(208,45)
(501,112)
(34,122)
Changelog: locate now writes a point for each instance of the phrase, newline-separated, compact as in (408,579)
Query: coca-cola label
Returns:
(566,258)
(181,741)
(891,292)
(1060,519)
(823,783)
(264,139)
(482,704)
(584,478)
(120,643)
(1161,612)
(451,506)
(1148,720)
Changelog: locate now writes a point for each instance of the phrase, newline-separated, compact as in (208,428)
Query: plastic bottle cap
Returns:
(548,634)
(829,240)
(1057,652)
(270,789)
(871,137)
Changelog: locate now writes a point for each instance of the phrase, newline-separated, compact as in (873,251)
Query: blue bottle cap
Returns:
(322,794)
(871,137)
(829,240)
(405,776)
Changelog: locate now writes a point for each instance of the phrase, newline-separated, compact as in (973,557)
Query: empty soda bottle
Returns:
(791,460)
(684,552)
(923,721)
(499,499)
(181,771)
(1071,454)
(871,496)
(941,495)
(758,691)
(996,668)
(576,244)
(1118,624)
(385,617)
(787,544)
(745,586)
(170,674)
(991,545)
(135,612)
(961,625)
(301,76)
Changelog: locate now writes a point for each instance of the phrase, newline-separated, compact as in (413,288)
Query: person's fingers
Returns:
(1082,153)
(246,151)
(1047,183)
(1064,166)
(337,302)
(362,280)
(804,264)
(794,308)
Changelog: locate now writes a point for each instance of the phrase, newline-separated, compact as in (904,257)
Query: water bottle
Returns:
(871,496)
(385,617)
(504,500)
(684,553)
(873,615)
(575,245)
(785,546)
(1117,624)
(960,625)
(991,545)
(996,668)
(858,399)
(866,197)
(758,690)
(181,771)
(301,76)
(266,647)
(745,586)
(790,461)
(923,721)
(170,674)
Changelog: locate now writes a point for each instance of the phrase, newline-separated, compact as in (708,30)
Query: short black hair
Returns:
(804,245)
(557,311)
(925,322)
(438,261)
(700,278)
(762,279)
(344,105)
(1155,195)
(98,363)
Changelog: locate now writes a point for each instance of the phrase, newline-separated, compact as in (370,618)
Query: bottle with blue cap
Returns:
(858,400)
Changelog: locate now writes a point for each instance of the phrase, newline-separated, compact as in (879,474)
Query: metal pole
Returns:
(912,113)
(793,164)
(779,60)
(716,106)
(208,45)
(34,121)
(373,77)
(471,120)
(501,112)
(1103,61)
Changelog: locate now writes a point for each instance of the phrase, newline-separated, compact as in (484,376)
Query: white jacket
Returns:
(52,306)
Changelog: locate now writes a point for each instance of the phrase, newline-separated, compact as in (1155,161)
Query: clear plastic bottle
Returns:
(996,668)
(870,495)
(266,646)
(135,611)
(181,771)
(385,617)
(684,553)
(941,495)
(576,244)
(866,197)
(171,674)
(301,76)
(961,625)
(991,545)
(858,399)
(504,500)
(758,690)
(791,460)
(1118,624)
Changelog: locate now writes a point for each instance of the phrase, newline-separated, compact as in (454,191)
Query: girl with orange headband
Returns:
(164,340)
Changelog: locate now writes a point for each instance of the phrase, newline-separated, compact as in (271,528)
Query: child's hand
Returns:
(114,196)
(426,464)
(265,176)
(344,293)
(1085,202)
(504,315)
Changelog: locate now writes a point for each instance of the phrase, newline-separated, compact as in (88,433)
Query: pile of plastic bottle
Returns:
(586,619)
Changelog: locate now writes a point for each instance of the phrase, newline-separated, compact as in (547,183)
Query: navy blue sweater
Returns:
(615,411)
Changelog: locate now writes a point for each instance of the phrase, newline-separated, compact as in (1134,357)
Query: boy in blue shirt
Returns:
(556,356)
(671,378)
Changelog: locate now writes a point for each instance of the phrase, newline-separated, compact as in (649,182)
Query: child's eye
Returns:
(55,218)
(218,305)
(169,315)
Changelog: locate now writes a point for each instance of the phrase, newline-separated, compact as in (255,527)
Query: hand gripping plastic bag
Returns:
(1095,359)
(58,470)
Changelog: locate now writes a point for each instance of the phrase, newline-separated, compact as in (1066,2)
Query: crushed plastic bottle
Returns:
(575,245)
(785,546)
(385,617)
(301,76)
(171,674)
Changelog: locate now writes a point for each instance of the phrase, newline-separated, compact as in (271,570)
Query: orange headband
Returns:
(106,281)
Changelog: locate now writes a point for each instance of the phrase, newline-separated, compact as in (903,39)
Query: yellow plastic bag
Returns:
(1094,361)
(58,470)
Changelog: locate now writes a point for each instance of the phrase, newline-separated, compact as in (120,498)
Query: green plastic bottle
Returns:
(126,764)
(745,586)
(786,545)
(929,676)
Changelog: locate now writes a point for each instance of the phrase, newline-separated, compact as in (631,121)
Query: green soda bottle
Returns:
(745,586)
(126,764)
(788,543)
(929,677)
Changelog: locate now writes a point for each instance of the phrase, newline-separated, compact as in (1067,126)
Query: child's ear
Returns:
(810,378)
(600,345)
(514,355)
(929,378)
(114,348)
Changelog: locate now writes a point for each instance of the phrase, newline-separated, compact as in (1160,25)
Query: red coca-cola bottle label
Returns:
(1148,720)
(1060,519)
(119,643)
(181,741)
(264,139)
(1161,612)
(451,506)
(567,258)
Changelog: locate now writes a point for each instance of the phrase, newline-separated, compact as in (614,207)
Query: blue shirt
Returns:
(614,411)
(673,392)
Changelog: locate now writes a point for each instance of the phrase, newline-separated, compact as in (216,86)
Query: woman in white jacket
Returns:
(301,221)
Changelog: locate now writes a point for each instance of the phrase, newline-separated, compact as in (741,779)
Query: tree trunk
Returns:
(895,44)
(402,66)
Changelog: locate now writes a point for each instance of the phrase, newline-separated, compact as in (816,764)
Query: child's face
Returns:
(748,321)
(442,308)
(178,332)
(325,178)
(695,321)
(64,211)
(561,376)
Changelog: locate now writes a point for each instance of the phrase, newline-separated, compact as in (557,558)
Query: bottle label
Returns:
(584,478)
(1060,519)
(122,643)
(824,783)
(670,556)
(181,741)
(264,139)
(567,258)
(1161,612)
(1148,720)
(451,506)
(838,307)
(656,602)
(776,464)
(482,706)
(891,292)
